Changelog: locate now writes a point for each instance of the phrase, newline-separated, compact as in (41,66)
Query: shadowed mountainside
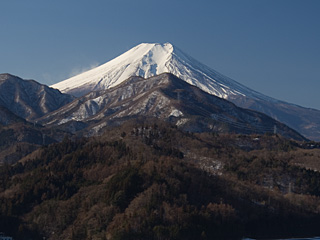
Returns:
(149,180)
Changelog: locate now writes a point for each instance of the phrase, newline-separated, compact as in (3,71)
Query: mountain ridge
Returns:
(167,97)
(29,99)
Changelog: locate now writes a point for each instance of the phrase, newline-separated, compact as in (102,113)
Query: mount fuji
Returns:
(151,59)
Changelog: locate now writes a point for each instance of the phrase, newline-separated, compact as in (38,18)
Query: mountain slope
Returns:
(304,120)
(166,97)
(19,139)
(22,100)
(7,117)
(148,60)
(29,99)
(136,182)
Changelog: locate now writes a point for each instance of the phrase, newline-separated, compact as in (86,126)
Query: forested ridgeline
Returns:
(152,181)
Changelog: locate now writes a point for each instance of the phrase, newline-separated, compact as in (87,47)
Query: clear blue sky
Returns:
(272,46)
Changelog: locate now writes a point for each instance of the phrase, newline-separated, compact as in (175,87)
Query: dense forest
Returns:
(149,180)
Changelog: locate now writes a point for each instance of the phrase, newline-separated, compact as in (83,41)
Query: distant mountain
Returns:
(29,99)
(148,60)
(304,120)
(166,97)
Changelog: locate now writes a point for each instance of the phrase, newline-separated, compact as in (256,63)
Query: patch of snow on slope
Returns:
(175,113)
(182,121)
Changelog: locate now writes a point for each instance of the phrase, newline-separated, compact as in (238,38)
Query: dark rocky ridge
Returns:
(166,97)
(29,99)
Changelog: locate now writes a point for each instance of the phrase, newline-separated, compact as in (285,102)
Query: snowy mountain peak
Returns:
(145,60)
(150,59)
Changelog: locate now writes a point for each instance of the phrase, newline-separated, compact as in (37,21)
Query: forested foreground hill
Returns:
(152,181)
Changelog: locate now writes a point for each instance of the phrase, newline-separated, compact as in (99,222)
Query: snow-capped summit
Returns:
(150,59)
